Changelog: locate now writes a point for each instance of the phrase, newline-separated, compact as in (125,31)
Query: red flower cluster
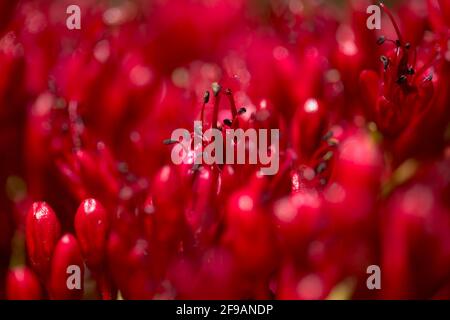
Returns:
(87,180)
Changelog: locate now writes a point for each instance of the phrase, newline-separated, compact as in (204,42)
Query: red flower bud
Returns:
(249,233)
(308,128)
(91,226)
(66,278)
(167,188)
(298,217)
(351,195)
(415,233)
(22,284)
(42,233)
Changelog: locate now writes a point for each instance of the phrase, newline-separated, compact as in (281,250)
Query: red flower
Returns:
(363,156)
(407,98)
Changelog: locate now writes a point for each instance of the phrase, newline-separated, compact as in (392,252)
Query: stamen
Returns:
(391,17)
(76,125)
(327,136)
(381,40)
(205,101)
(385,61)
(216,90)
(228,122)
(321,167)
(328,155)
(242,111)
(206,97)
(169,141)
(230,96)
(333,142)
(402,79)
(428,64)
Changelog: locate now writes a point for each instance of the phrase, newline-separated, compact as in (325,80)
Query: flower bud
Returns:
(22,284)
(67,273)
(308,127)
(298,217)
(168,188)
(249,234)
(91,226)
(42,233)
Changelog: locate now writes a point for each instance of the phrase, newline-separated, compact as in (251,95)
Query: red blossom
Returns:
(87,176)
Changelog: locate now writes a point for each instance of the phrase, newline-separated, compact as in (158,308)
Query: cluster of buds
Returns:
(88,181)
(57,260)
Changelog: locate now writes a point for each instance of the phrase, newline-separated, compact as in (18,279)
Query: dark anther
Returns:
(398,43)
(333,142)
(227,122)
(411,71)
(381,40)
(242,110)
(328,135)
(169,141)
(402,79)
(216,88)
(328,155)
(122,167)
(385,61)
(408,46)
(206,97)
(131,177)
(64,127)
(321,167)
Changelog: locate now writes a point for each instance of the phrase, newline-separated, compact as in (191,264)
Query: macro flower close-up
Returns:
(224,149)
